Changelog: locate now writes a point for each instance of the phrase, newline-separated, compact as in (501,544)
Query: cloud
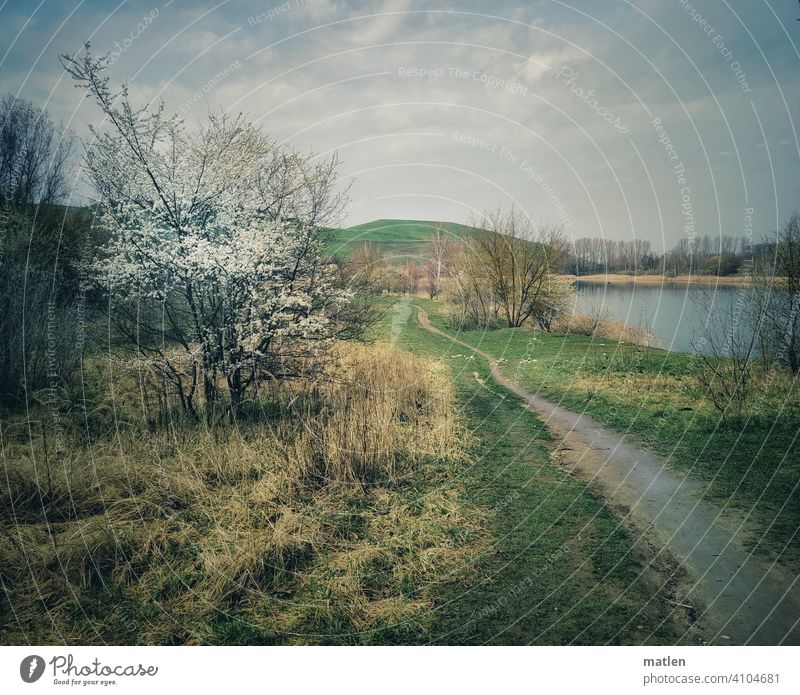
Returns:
(541,63)
(332,84)
(384,26)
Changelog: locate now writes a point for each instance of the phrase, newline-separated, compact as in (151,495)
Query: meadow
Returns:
(405,501)
(654,396)
(399,240)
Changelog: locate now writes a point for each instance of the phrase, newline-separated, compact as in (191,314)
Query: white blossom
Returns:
(215,243)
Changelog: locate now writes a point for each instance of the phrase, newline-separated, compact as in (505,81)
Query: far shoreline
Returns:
(621,279)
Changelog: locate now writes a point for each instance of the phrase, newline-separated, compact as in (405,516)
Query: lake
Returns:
(667,311)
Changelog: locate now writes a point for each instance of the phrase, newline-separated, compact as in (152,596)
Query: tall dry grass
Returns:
(383,412)
(601,327)
(330,520)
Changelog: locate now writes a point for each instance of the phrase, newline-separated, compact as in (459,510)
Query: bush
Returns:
(42,309)
(726,264)
(39,336)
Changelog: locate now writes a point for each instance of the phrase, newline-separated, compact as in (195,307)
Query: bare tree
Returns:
(725,351)
(34,155)
(470,290)
(368,269)
(414,274)
(39,253)
(775,310)
(437,266)
(522,264)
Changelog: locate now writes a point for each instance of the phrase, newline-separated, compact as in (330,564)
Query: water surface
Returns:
(669,311)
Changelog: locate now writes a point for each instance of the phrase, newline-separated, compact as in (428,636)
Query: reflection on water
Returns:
(670,311)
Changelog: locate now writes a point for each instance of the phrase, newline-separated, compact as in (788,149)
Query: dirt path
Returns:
(737,597)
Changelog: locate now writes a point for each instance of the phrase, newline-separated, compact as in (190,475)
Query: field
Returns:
(330,516)
(405,493)
(400,240)
(426,508)
(559,567)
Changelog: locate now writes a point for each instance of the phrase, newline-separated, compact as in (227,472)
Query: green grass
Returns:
(400,240)
(559,567)
(652,394)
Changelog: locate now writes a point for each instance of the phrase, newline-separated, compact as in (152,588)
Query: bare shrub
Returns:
(726,350)
(368,269)
(775,298)
(39,257)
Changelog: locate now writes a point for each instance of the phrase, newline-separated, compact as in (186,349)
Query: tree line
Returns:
(704,255)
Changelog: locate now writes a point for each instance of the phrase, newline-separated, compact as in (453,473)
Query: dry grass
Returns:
(331,522)
(641,279)
(383,415)
(617,331)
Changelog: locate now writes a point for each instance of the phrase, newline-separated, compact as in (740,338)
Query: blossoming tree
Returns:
(215,264)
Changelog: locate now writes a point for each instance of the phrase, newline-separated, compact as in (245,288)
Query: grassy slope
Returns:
(651,394)
(399,239)
(560,568)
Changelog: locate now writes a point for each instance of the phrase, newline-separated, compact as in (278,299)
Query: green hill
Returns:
(400,240)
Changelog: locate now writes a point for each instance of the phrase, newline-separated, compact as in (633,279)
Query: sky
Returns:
(651,119)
